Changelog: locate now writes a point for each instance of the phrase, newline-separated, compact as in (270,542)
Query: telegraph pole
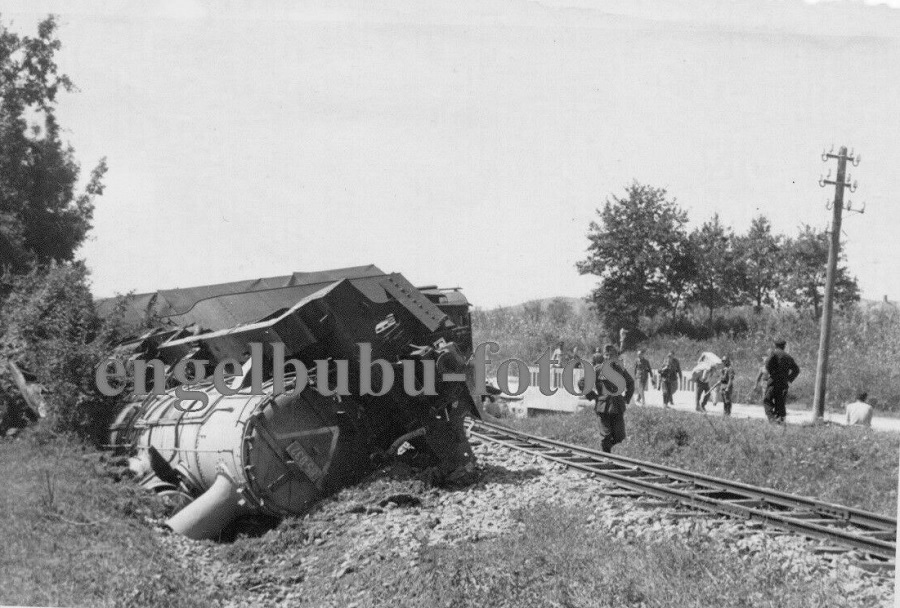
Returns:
(839,183)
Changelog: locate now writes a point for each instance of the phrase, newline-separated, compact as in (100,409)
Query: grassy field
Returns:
(71,536)
(850,466)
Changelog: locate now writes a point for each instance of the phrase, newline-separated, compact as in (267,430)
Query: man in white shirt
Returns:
(859,412)
(556,359)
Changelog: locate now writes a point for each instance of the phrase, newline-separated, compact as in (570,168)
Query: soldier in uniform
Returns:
(782,370)
(610,398)
(669,376)
(726,384)
(642,371)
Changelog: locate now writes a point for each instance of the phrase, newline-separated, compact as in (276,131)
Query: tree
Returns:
(42,219)
(559,312)
(803,279)
(718,269)
(759,249)
(533,311)
(636,250)
(681,264)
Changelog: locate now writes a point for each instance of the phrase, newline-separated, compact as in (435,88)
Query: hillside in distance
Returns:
(578,305)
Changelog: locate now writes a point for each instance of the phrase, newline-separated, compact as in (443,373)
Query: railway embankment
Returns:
(526,532)
(529,532)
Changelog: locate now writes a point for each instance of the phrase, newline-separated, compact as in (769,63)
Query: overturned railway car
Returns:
(263,445)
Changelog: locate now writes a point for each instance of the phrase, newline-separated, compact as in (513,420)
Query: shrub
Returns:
(48,326)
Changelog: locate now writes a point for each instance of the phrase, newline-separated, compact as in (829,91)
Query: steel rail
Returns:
(775,497)
(870,533)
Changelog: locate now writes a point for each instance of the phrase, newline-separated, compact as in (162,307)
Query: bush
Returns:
(49,327)
(697,327)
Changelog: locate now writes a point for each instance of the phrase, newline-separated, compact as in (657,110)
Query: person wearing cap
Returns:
(642,371)
(859,412)
(726,384)
(782,370)
(597,357)
(611,397)
(669,376)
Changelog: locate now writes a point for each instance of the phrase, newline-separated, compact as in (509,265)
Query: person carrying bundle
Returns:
(703,375)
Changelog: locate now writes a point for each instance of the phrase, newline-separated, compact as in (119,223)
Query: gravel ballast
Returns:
(333,555)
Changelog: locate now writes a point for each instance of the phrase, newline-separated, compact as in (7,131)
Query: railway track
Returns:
(872,536)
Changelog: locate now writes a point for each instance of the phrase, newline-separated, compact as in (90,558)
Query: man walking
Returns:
(614,390)
(669,377)
(642,371)
(726,384)
(782,370)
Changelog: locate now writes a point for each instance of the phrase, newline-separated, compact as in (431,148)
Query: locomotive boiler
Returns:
(272,440)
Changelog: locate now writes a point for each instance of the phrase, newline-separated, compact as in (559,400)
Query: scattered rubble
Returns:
(323,558)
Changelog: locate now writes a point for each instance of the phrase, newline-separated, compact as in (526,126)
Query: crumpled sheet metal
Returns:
(287,452)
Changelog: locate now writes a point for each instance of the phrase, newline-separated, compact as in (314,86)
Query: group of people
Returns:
(670,375)
(714,376)
(777,373)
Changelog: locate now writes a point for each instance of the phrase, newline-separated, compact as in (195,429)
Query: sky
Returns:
(464,144)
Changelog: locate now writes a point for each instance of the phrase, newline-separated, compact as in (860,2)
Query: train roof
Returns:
(224,305)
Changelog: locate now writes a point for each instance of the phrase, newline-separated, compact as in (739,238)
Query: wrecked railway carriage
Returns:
(273,454)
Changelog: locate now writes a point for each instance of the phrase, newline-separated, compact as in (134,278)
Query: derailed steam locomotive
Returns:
(277,454)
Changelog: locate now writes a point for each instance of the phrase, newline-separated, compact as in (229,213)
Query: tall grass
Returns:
(851,466)
(73,537)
